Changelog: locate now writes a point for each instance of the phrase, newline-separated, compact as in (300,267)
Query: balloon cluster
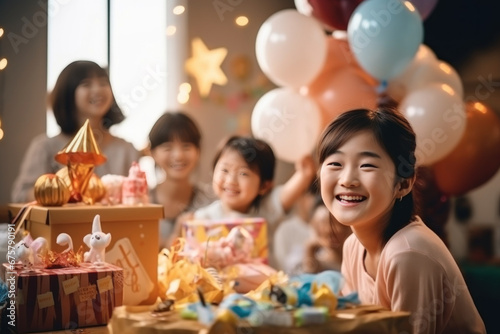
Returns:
(331,56)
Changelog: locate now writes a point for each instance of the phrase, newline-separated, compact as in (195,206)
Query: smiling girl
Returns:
(243,181)
(82,91)
(392,258)
(175,147)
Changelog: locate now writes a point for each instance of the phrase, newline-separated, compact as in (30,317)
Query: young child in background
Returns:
(324,251)
(243,182)
(82,91)
(392,258)
(293,234)
(175,147)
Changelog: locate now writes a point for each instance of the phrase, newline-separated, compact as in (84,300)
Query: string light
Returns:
(171,30)
(241,21)
(3,63)
(183,95)
(185,87)
(178,10)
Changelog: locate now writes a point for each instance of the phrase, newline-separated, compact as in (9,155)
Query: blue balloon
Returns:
(384,36)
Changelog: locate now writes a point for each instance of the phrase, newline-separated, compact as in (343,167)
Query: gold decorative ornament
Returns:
(80,156)
(94,192)
(50,190)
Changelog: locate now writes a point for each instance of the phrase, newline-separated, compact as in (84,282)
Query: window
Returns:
(130,41)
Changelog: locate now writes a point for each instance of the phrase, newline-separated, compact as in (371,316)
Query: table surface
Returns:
(365,319)
(86,330)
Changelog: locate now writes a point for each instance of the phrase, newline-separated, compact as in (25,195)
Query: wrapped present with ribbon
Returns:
(66,298)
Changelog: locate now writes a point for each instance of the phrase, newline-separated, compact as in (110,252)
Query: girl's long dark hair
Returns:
(394,133)
(62,97)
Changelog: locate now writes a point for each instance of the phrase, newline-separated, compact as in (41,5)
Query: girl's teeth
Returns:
(351,198)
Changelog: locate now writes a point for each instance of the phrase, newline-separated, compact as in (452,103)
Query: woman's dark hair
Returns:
(62,97)
(393,132)
(174,125)
(257,154)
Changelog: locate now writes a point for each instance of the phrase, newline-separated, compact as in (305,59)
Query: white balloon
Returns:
(398,86)
(437,115)
(425,68)
(303,7)
(437,72)
(291,48)
(288,121)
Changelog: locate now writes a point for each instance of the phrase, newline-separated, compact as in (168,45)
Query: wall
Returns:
(23,87)
(228,108)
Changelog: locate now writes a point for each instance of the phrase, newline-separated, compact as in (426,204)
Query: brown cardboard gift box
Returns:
(64,298)
(134,239)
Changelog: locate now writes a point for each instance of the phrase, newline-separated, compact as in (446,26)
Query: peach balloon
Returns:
(338,52)
(476,157)
(341,90)
(437,115)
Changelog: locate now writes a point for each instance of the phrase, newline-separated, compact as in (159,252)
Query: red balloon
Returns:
(335,14)
(476,157)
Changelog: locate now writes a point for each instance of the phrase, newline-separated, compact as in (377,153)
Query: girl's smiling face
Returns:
(178,159)
(234,182)
(358,182)
(93,97)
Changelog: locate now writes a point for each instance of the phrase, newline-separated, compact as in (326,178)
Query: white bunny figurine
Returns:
(30,252)
(24,253)
(97,242)
(64,239)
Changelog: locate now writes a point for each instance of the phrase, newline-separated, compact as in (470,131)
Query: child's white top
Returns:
(416,273)
(270,209)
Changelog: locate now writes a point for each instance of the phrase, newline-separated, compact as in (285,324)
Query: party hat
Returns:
(81,149)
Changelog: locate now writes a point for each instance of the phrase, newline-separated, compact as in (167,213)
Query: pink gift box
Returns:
(201,230)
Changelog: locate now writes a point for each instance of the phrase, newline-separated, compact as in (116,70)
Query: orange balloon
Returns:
(338,54)
(476,157)
(342,89)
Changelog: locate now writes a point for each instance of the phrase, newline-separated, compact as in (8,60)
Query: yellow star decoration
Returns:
(204,65)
